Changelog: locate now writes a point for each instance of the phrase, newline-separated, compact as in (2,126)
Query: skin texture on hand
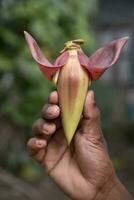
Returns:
(83,170)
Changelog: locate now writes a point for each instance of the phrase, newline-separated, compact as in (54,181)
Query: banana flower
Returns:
(73,73)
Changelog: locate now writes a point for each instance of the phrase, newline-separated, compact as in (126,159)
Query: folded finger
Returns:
(43,128)
(39,156)
(34,145)
(37,126)
(90,110)
(53,97)
(50,111)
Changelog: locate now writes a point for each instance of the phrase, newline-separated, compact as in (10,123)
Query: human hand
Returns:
(83,170)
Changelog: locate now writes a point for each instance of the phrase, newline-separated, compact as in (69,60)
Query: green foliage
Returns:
(23,89)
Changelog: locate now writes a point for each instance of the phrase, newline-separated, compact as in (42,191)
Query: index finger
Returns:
(53,97)
(51,111)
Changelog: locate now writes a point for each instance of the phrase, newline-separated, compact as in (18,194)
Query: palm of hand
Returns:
(82,168)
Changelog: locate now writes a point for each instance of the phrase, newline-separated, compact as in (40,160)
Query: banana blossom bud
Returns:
(73,72)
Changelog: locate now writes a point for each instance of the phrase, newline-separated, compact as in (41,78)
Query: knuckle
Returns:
(96,140)
(49,127)
(50,111)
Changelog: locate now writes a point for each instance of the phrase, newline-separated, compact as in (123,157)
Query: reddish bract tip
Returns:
(96,64)
(45,66)
(103,58)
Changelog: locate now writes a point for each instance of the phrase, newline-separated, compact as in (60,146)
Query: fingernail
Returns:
(45,126)
(52,110)
(52,95)
(40,143)
(49,110)
(45,129)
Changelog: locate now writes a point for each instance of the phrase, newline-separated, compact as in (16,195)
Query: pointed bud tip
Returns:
(25,32)
(125,39)
(69,138)
(27,35)
(68,141)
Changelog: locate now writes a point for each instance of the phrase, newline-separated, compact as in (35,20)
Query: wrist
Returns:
(113,190)
(100,193)
(119,192)
(106,189)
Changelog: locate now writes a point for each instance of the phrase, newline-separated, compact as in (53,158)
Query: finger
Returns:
(39,156)
(38,126)
(90,126)
(43,128)
(91,115)
(55,149)
(53,98)
(50,111)
(90,110)
(34,145)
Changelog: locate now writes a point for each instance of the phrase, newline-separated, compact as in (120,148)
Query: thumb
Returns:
(90,110)
(90,128)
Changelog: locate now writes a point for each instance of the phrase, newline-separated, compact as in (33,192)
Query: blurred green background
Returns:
(23,89)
